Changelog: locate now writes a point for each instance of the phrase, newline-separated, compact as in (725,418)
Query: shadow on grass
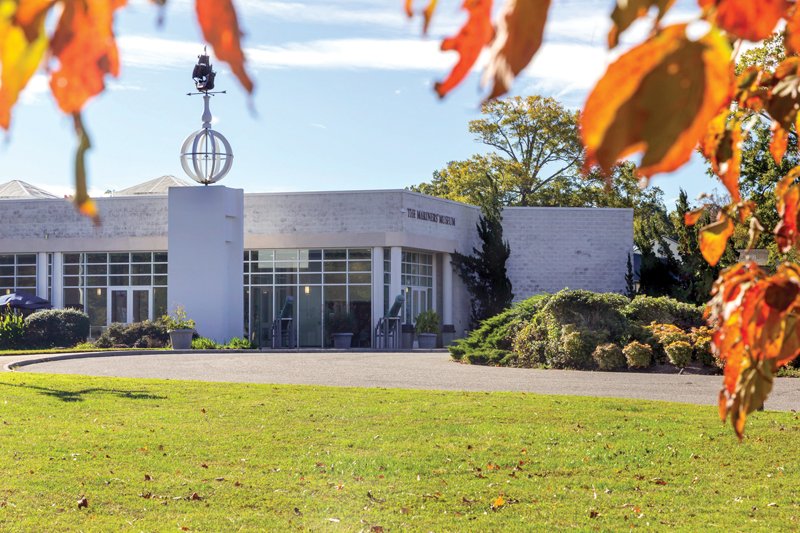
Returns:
(79,395)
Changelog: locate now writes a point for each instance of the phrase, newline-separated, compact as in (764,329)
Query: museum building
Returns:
(330,251)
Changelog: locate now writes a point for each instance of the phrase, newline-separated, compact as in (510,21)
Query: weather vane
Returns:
(206,155)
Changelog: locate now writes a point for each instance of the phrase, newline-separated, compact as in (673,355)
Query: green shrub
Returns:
(589,310)
(701,342)
(529,345)
(238,343)
(56,327)
(12,331)
(202,343)
(576,348)
(645,310)
(609,357)
(177,320)
(427,322)
(638,355)
(679,353)
(136,335)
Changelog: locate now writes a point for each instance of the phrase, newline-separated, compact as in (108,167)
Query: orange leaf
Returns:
(409,10)
(788,204)
(84,44)
(469,42)
(748,19)
(428,14)
(714,238)
(780,139)
(691,217)
(19,58)
(625,12)
(499,501)
(30,16)
(722,146)
(220,27)
(627,111)
(519,35)
(791,37)
(781,293)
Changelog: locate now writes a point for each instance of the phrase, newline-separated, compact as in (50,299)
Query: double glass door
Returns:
(130,305)
(416,302)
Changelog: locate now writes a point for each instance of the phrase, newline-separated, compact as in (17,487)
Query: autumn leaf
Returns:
(520,27)
(220,27)
(499,502)
(691,217)
(84,44)
(788,204)
(469,42)
(791,37)
(83,503)
(86,206)
(747,19)
(627,11)
(714,238)
(427,13)
(19,57)
(628,112)
(722,146)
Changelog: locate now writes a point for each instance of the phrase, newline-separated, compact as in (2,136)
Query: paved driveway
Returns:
(407,370)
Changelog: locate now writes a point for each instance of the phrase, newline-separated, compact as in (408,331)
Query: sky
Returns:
(344,97)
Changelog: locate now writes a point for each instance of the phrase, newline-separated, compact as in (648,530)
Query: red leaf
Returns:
(220,27)
(520,27)
(84,44)
(627,111)
(469,42)
(748,19)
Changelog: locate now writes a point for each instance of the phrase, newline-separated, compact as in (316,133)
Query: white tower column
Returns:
(377,288)
(41,275)
(58,277)
(447,289)
(206,248)
(396,259)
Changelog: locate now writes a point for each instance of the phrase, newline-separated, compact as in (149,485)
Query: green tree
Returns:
(484,272)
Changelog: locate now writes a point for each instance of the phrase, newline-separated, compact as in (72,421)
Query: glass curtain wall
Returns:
(116,286)
(322,282)
(18,272)
(416,277)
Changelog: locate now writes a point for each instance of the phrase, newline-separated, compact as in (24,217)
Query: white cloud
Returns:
(319,126)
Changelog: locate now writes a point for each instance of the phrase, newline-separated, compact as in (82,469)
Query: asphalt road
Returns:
(406,370)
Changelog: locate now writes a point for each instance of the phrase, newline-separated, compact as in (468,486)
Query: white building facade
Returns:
(331,251)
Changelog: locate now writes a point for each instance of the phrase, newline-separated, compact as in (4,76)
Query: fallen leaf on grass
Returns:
(219,479)
(148,477)
(499,502)
(83,503)
(204,465)
(237,484)
(377,529)
(195,496)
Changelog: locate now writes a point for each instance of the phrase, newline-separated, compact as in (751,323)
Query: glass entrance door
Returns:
(129,305)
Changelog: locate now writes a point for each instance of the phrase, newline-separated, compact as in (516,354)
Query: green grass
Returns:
(291,458)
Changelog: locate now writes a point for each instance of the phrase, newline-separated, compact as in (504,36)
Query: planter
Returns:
(427,341)
(342,341)
(181,339)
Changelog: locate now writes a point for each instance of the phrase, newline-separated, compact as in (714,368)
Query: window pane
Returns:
(360,266)
(140,280)
(118,269)
(160,257)
(262,255)
(335,278)
(310,316)
(97,269)
(360,278)
(314,279)
(70,258)
(141,257)
(360,253)
(26,282)
(141,268)
(261,267)
(314,266)
(261,279)
(96,281)
(159,302)
(8,259)
(160,269)
(73,270)
(387,254)
(285,254)
(73,299)
(361,307)
(286,266)
(96,258)
(160,280)
(335,254)
(335,266)
(73,281)
(26,259)
(96,305)
(6,270)
(119,257)
(285,279)
(118,281)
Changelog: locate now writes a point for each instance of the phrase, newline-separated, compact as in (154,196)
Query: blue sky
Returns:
(344,97)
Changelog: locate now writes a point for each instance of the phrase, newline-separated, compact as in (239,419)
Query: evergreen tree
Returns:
(630,290)
(484,272)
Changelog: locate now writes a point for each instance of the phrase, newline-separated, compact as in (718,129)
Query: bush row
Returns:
(586,330)
(43,329)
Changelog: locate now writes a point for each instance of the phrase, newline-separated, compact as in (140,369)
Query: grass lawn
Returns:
(153,455)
